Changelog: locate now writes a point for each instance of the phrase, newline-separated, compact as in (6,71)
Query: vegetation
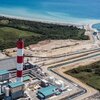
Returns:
(32,32)
(89,74)
(9,36)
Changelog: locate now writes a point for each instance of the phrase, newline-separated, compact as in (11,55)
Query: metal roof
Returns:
(26,78)
(16,84)
(47,90)
(2,72)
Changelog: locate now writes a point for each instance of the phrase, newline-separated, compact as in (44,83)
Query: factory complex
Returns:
(27,81)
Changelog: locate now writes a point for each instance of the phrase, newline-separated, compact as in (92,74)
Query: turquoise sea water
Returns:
(53,10)
(97,26)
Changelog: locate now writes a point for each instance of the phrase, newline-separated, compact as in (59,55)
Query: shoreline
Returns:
(81,23)
(42,21)
(94,29)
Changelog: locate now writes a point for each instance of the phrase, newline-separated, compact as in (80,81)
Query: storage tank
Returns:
(7,91)
(59,83)
(39,70)
(62,83)
(51,79)
(42,73)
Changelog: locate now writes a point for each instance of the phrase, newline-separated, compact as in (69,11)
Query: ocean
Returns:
(96,26)
(65,11)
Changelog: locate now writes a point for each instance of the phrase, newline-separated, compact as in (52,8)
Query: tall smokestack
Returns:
(20,59)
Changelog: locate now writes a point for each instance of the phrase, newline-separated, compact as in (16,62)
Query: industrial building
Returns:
(4,75)
(22,81)
(26,78)
(13,90)
(48,92)
(8,90)
(16,90)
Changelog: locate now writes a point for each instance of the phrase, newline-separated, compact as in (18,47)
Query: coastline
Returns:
(94,29)
(80,23)
(40,20)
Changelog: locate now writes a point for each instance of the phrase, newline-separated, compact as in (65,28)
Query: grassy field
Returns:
(16,32)
(9,36)
(89,74)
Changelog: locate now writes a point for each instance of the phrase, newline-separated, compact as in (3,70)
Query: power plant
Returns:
(29,81)
(13,90)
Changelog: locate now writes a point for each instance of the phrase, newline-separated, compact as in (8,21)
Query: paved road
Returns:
(11,63)
(74,61)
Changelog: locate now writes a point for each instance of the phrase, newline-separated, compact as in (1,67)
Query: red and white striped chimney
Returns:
(20,59)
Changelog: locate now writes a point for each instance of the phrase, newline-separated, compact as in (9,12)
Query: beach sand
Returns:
(77,23)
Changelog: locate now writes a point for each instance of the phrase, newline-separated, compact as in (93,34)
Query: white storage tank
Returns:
(39,70)
(7,91)
(59,83)
(42,73)
(62,83)
(51,79)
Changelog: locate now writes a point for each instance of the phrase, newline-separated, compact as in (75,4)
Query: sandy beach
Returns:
(79,23)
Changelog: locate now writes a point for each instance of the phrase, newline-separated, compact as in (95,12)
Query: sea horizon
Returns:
(64,12)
